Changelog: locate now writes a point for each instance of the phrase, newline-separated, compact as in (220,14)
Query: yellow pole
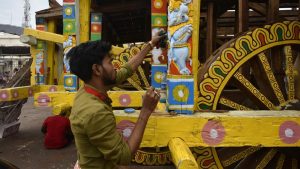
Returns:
(297,77)
(51,50)
(181,154)
(32,68)
(195,52)
(84,18)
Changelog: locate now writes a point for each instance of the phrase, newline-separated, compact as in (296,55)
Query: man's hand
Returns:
(150,101)
(158,38)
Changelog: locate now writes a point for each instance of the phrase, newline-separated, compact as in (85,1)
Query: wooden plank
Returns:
(118,6)
(258,7)
(181,155)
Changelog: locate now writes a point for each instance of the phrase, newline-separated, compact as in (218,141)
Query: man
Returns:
(57,131)
(93,124)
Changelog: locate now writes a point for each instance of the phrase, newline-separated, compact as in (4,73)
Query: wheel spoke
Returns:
(275,86)
(267,158)
(289,72)
(280,161)
(255,92)
(229,103)
(140,69)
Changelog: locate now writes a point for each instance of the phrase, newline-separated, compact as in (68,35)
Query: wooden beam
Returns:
(273,10)
(118,6)
(43,35)
(258,7)
(211,29)
(181,154)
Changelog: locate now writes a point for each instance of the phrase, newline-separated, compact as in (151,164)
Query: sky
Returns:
(12,12)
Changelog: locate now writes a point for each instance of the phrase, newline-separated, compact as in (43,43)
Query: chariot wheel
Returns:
(255,71)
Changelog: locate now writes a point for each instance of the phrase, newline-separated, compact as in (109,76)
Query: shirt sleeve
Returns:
(124,73)
(101,130)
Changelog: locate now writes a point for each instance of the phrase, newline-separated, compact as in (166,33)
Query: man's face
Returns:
(108,71)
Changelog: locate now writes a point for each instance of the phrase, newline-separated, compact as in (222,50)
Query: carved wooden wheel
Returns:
(256,71)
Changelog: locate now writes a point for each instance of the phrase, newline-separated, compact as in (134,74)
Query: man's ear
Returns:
(97,69)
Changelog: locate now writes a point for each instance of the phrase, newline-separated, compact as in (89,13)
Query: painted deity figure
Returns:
(67,45)
(179,48)
(39,63)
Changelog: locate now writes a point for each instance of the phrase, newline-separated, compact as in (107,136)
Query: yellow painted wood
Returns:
(84,19)
(195,52)
(49,88)
(43,35)
(51,51)
(297,77)
(134,98)
(57,109)
(17,93)
(242,128)
(182,156)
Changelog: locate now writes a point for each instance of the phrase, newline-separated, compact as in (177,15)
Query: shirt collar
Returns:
(100,95)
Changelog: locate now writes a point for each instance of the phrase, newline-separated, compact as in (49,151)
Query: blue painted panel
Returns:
(69,12)
(70,82)
(159,73)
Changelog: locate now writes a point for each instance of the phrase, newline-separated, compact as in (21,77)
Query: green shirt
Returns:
(93,124)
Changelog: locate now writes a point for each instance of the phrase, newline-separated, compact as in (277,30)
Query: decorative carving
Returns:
(225,64)
(180,31)
(207,157)
(148,158)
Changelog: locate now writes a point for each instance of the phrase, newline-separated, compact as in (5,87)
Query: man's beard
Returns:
(107,80)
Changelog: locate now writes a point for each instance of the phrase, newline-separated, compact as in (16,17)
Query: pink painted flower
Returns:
(289,132)
(30,92)
(213,132)
(52,89)
(4,95)
(124,99)
(43,100)
(15,94)
(125,127)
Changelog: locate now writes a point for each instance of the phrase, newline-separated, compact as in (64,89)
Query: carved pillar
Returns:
(159,55)
(39,54)
(69,30)
(183,31)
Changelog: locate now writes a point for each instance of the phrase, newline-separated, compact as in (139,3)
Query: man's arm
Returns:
(150,101)
(136,60)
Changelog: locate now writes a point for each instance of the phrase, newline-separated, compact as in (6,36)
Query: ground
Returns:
(25,149)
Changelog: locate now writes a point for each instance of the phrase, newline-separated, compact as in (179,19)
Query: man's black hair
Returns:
(83,56)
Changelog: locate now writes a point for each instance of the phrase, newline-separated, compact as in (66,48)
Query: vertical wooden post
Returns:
(211,29)
(84,19)
(51,50)
(272,10)
(195,52)
(243,15)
